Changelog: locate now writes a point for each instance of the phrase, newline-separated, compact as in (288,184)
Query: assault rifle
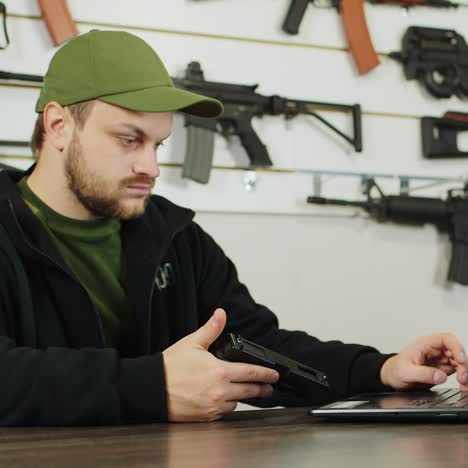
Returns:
(355,25)
(8,76)
(241,104)
(449,215)
(438,58)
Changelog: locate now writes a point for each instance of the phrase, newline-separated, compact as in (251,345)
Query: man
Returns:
(110,297)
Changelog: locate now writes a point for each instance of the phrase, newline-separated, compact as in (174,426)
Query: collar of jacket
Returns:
(145,241)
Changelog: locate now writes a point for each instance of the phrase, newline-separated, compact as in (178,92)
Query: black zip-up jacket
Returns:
(54,367)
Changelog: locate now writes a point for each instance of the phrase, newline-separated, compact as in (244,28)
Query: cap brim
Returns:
(166,99)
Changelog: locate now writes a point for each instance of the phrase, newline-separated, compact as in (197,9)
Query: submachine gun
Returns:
(449,215)
(241,104)
(437,58)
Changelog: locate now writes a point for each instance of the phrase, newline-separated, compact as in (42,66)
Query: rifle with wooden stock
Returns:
(355,24)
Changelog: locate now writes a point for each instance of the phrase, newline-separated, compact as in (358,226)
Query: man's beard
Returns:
(94,191)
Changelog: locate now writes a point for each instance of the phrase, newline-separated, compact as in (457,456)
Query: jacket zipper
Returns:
(98,317)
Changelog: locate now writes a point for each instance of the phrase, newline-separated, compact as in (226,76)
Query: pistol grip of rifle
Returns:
(458,269)
(296,12)
(357,33)
(254,147)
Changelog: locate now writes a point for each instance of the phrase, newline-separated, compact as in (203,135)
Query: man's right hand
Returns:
(201,387)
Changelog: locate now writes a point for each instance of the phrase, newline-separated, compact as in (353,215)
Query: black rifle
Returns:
(15,143)
(20,77)
(450,215)
(241,104)
(440,135)
(438,58)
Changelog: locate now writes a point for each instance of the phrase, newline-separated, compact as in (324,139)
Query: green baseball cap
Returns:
(121,69)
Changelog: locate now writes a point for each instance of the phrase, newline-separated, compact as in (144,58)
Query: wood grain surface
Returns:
(271,438)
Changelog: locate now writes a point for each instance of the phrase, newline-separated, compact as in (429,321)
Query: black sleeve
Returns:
(63,386)
(67,387)
(351,368)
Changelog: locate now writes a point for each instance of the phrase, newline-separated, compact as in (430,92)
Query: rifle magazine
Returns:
(357,33)
(58,20)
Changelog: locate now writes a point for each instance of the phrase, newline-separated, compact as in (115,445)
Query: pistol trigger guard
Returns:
(225,129)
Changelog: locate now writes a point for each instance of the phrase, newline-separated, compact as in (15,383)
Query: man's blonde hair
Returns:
(79,112)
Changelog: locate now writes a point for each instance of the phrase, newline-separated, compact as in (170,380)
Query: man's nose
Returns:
(147,163)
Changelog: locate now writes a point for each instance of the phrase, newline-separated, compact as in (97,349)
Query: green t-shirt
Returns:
(92,249)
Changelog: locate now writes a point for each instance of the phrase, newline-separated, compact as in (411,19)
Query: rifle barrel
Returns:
(20,77)
(339,202)
(14,143)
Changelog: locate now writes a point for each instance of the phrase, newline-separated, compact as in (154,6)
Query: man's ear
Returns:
(57,125)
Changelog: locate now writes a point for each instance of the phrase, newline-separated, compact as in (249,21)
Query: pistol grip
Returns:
(296,12)
(256,150)
(458,268)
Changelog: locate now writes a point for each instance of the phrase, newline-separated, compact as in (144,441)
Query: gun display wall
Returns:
(305,75)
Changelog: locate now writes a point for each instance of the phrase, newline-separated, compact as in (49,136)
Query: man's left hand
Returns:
(426,362)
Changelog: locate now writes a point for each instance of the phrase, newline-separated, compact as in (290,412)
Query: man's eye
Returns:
(128,141)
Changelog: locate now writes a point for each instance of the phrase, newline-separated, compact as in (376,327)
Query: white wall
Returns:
(331,272)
